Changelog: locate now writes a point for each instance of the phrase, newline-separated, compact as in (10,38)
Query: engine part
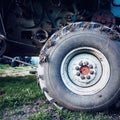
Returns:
(40,36)
(60,22)
(27,14)
(19,60)
(55,2)
(70,17)
(2,45)
(104,17)
(47,26)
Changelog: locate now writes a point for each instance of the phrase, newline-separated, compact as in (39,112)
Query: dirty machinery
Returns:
(78,43)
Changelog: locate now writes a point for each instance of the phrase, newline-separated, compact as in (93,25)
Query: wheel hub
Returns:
(84,70)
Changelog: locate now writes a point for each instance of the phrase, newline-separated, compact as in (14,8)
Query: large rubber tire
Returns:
(63,79)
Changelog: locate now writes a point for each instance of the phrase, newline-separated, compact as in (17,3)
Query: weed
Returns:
(40,116)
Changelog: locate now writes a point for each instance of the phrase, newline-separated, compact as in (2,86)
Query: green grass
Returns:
(18,91)
(41,116)
(68,115)
(7,69)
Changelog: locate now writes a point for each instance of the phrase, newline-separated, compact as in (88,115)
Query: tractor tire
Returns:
(79,67)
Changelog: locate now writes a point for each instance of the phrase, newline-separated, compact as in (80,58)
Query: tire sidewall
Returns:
(55,84)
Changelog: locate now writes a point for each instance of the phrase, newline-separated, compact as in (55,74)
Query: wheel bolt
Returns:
(81,63)
(92,72)
(86,63)
(82,77)
(91,66)
(78,74)
(88,77)
(77,68)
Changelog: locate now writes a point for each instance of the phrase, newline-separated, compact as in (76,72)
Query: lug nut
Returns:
(86,63)
(91,66)
(77,68)
(78,74)
(92,72)
(88,77)
(81,63)
(82,77)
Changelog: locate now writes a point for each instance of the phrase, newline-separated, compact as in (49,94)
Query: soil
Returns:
(23,112)
(15,74)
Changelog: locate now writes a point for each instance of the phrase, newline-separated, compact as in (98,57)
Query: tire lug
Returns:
(45,89)
(52,101)
(40,77)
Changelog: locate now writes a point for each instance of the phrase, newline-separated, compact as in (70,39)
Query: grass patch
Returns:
(56,114)
(7,69)
(18,91)
(41,116)
(69,115)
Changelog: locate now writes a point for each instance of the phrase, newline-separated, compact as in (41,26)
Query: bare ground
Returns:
(23,112)
(15,74)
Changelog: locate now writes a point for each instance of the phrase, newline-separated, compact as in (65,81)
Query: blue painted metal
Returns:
(116,2)
(115,8)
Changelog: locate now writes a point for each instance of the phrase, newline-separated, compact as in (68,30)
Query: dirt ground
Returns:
(15,74)
(23,112)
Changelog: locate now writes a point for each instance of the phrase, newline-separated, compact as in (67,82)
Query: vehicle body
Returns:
(79,63)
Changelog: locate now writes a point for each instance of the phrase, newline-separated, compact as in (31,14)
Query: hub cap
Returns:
(85,71)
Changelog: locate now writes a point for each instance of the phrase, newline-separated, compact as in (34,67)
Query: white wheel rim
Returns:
(85,71)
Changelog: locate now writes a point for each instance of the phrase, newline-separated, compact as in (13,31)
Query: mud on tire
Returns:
(79,67)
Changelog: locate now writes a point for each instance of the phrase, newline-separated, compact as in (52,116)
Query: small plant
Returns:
(40,116)
(19,112)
